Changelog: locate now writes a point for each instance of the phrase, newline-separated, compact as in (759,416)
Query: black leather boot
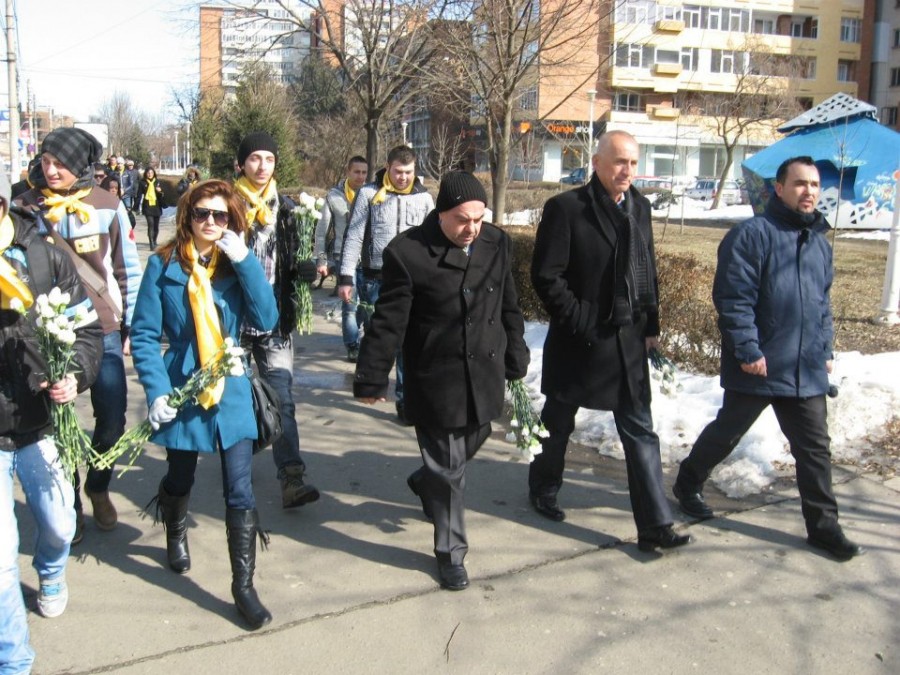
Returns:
(174,518)
(241,526)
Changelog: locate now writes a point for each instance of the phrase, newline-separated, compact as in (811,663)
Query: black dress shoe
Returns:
(661,537)
(453,577)
(692,503)
(836,544)
(412,481)
(547,507)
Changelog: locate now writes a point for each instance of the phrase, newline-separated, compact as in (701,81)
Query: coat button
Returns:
(468,320)
(471,355)
(490,322)
(492,353)
(490,289)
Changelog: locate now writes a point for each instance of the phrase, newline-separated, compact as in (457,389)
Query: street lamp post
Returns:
(403,125)
(590,133)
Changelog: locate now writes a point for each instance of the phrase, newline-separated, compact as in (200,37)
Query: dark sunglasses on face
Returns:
(202,215)
(99,175)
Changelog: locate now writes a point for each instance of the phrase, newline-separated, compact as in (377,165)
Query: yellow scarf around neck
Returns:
(349,192)
(388,186)
(11,286)
(150,196)
(59,205)
(258,210)
(206,321)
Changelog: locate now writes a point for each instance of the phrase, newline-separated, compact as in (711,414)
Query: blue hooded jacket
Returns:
(772,292)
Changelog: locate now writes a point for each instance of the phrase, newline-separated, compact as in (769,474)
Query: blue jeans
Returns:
(109,397)
(274,356)
(352,316)
(369,290)
(50,497)
(237,483)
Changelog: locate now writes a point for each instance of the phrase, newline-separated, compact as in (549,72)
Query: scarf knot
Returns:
(59,205)
(261,204)
(388,186)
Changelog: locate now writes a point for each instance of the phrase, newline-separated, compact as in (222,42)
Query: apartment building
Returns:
(260,31)
(881,40)
(656,57)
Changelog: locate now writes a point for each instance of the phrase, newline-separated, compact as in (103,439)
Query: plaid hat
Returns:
(75,148)
(258,140)
(459,187)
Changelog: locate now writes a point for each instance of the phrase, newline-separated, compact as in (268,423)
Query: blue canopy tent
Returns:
(858,161)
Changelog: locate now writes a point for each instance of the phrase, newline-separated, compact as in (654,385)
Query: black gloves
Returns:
(306,271)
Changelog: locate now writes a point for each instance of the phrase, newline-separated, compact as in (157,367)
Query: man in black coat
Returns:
(594,269)
(449,299)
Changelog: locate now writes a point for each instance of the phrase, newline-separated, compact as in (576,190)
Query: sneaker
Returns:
(294,492)
(104,512)
(53,598)
(79,528)
(352,354)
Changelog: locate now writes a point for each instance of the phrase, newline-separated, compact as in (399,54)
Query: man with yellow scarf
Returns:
(394,202)
(273,238)
(29,266)
(92,226)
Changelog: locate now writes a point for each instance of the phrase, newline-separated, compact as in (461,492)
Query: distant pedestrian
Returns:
(191,177)
(151,202)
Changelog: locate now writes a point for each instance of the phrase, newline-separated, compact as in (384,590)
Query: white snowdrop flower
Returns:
(62,322)
(66,336)
(543,433)
(39,321)
(317,215)
(51,328)
(535,429)
(17,305)
(237,369)
(526,432)
(320,202)
(55,296)
(514,423)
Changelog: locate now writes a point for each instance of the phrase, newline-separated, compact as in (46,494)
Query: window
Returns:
(633,55)
(691,16)
(889,116)
(713,18)
(764,26)
(846,71)
(728,61)
(895,77)
(850,30)
(529,99)
(896,38)
(624,102)
(738,20)
(667,56)
(689,58)
(796,29)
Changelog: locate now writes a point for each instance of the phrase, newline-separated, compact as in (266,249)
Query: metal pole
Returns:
(890,296)
(176,150)
(590,134)
(13,91)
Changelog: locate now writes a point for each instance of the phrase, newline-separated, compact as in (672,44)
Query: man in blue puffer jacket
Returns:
(772,293)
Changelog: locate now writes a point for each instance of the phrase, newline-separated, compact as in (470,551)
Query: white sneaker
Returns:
(53,598)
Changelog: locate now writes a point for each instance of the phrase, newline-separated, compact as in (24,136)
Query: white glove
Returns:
(232,245)
(161,412)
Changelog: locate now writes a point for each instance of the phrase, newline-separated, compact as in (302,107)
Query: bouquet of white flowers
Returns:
(664,371)
(55,330)
(307,214)
(228,362)
(528,430)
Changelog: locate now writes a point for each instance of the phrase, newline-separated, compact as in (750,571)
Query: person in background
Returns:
(99,173)
(151,202)
(191,177)
(131,177)
(90,224)
(772,291)
(199,288)
(393,203)
(333,222)
(29,266)
(273,237)
(594,269)
(111,185)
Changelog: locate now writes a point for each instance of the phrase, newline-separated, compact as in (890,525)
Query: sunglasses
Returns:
(199,215)
(99,175)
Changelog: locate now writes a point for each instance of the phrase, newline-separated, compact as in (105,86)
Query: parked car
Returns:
(706,188)
(576,177)
(648,184)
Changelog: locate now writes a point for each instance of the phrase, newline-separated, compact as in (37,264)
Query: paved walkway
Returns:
(351,579)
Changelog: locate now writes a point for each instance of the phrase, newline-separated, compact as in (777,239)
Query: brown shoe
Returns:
(294,492)
(79,528)
(104,512)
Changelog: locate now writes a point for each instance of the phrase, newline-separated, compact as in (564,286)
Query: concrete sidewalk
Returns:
(351,580)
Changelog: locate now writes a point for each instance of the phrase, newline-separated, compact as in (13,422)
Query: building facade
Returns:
(882,41)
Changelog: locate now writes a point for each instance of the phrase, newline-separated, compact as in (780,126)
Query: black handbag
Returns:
(267,409)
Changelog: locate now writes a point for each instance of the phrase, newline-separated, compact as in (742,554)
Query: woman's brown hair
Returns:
(237,222)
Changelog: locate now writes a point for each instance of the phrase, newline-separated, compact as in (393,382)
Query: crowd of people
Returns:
(426,286)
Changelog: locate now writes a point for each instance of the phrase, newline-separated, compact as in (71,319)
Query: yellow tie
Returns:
(206,322)
(257,200)
(11,286)
(58,205)
(388,186)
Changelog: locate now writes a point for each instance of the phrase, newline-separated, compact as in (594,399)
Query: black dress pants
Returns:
(804,421)
(442,481)
(642,462)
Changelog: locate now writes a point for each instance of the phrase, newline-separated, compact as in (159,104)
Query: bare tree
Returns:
(203,110)
(501,56)
(759,102)
(125,124)
(446,151)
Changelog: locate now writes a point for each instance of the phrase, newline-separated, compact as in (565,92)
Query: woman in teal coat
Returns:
(197,290)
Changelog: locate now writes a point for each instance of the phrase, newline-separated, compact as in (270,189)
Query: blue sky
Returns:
(77,53)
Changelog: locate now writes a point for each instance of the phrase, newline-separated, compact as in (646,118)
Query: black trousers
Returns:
(804,421)
(642,462)
(442,481)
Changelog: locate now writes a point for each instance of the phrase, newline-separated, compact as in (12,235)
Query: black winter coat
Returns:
(588,362)
(141,203)
(458,320)
(24,407)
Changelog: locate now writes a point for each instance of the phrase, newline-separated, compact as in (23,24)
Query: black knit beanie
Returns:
(459,187)
(258,140)
(76,149)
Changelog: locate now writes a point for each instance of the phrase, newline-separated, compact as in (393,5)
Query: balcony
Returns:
(664,112)
(666,69)
(670,25)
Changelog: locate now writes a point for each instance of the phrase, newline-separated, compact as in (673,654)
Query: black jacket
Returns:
(141,203)
(24,407)
(588,362)
(458,320)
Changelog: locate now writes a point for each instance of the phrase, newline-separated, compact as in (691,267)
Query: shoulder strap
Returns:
(94,284)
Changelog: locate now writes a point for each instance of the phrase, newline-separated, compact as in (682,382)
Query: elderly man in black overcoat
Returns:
(594,269)
(449,299)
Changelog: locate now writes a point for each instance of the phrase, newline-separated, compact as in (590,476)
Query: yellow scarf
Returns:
(257,201)
(151,192)
(11,286)
(206,321)
(58,205)
(349,193)
(388,186)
